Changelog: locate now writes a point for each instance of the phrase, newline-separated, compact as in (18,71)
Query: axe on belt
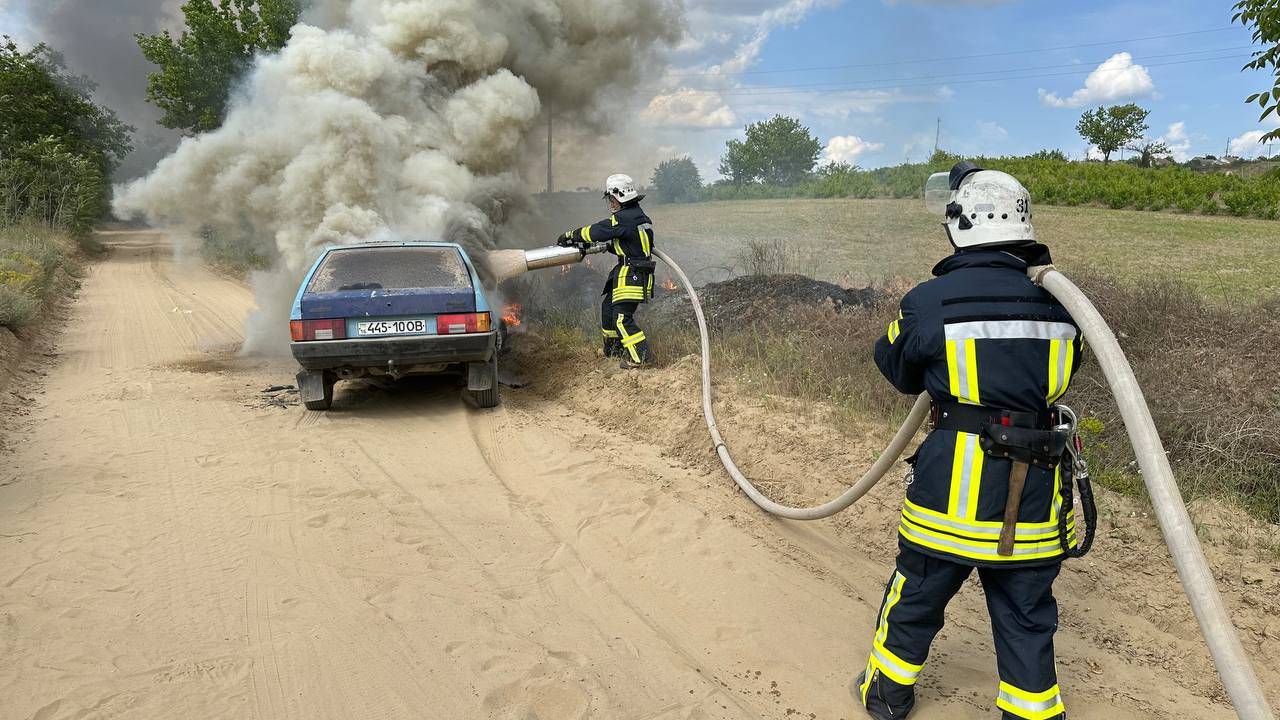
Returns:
(1009,531)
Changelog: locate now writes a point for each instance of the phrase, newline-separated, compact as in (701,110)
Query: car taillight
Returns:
(461,324)
(308,330)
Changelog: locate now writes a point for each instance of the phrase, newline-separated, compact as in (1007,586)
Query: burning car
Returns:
(393,309)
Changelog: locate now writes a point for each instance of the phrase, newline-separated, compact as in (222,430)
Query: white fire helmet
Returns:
(982,207)
(621,188)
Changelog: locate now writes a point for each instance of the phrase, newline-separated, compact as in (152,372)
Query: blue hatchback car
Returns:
(393,309)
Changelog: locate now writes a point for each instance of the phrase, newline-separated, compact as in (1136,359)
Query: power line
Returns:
(955,57)
(843,83)
(787,90)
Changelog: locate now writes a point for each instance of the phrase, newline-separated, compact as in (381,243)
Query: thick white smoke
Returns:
(395,119)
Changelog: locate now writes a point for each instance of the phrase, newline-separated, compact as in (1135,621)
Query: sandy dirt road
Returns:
(171,546)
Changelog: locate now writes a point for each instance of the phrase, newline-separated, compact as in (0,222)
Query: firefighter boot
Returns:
(613,348)
(883,699)
(641,358)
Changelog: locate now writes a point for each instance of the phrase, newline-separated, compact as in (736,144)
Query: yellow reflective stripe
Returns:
(1054,349)
(586,235)
(610,333)
(622,276)
(966,477)
(957,469)
(634,339)
(867,676)
(617,249)
(614,219)
(976,549)
(953,370)
(894,331)
(1028,705)
(644,242)
(1071,357)
(891,599)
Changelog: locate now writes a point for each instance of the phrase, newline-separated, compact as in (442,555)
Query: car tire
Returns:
(488,398)
(327,401)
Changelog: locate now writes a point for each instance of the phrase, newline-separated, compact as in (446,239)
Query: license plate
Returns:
(378,328)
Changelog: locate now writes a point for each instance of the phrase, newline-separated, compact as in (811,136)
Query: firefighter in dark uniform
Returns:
(629,235)
(989,488)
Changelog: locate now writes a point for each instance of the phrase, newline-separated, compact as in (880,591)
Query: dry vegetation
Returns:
(36,265)
(1204,338)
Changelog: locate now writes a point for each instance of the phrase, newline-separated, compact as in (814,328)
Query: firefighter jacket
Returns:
(629,233)
(981,333)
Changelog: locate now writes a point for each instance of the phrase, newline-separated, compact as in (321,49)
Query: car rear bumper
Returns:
(395,351)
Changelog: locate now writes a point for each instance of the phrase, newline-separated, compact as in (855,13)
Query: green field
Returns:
(859,242)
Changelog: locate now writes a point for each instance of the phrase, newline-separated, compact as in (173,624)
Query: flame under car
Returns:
(393,309)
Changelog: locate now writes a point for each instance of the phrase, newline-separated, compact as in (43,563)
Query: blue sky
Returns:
(735,68)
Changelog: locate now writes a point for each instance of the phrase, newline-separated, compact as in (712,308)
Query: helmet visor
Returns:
(937,193)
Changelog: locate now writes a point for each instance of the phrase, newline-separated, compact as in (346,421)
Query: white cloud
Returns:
(1116,79)
(991,130)
(1178,142)
(847,148)
(687,108)
(946,93)
(1247,145)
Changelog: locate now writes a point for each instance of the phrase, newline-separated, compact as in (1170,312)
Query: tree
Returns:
(199,67)
(779,151)
(1148,150)
(1112,128)
(38,99)
(1264,17)
(57,148)
(677,180)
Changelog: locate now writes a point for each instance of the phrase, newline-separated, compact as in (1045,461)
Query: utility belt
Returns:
(1045,439)
(1035,438)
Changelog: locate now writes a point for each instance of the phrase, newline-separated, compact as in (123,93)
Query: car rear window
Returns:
(396,268)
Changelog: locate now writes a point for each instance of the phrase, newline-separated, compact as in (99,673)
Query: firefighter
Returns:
(629,235)
(995,352)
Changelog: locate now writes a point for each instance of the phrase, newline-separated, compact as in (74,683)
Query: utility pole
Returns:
(550,151)
(937,139)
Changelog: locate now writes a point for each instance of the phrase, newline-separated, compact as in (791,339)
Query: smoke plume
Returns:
(396,119)
(97,39)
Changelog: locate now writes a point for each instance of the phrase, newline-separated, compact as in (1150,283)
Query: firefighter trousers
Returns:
(1024,617)
(622,336)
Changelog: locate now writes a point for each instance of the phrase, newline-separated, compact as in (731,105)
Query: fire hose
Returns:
(1234,668)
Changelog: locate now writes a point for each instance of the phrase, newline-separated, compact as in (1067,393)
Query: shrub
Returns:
(1051,180)
(18,308)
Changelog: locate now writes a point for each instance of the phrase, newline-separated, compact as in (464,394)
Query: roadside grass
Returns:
(36,265)
(860,242)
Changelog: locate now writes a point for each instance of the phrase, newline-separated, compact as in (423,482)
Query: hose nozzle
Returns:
(556,256)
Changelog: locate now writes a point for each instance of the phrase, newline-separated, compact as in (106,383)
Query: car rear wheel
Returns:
(488,398)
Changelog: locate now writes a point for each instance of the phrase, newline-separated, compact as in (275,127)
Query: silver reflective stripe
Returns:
(986,534)
(977,547)
(1029,706)
(893,665)
(966,471)
(1064,351)
(1010,330)
(962,370)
